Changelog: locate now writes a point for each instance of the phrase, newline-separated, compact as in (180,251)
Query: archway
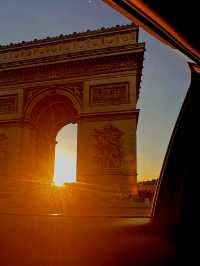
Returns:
(48,116)
(93,76)
(65,155)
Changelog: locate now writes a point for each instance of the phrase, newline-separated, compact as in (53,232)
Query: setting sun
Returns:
(65,156)
(65,169)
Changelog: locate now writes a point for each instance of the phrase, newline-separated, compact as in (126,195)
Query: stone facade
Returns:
(90,78)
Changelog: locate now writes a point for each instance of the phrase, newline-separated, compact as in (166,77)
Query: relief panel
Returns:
(108,147)
(109,94)
(11,104)
(8,104)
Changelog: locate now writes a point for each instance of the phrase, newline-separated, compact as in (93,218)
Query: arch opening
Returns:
(52,116)
(65,155)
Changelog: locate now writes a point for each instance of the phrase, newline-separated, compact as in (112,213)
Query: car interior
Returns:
(169,235)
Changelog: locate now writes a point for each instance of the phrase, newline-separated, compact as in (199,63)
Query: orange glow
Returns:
(65,155)
(65,168)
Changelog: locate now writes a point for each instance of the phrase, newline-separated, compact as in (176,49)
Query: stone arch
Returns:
(48,112)
(97,87)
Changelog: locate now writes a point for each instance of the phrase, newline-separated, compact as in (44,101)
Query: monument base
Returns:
(77,199)
(95,200)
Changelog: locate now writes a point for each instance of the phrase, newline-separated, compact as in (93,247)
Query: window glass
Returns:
(88,138)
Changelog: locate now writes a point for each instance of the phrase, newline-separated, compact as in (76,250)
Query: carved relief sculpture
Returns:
(108,147)
(109,94)
(8,104)
(75,90)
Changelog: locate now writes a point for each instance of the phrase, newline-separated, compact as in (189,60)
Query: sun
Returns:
(65,155)
(65,168)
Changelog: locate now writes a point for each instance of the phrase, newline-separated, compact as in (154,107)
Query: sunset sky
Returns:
(165,79)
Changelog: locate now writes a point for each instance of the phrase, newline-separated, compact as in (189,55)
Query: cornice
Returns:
(67,47)
(75,56)
(74,68)
(71,36)
(103,51)
(129,114)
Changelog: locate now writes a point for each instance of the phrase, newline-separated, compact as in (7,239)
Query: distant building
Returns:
(146,189)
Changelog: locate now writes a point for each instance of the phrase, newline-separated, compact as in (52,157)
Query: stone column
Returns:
(107,152)
(107,135)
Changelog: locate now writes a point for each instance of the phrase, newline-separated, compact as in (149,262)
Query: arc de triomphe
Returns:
(90,78)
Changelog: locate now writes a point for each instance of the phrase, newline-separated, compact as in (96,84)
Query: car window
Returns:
(85,119)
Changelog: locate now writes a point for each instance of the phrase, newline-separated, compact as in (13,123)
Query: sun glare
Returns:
(65,166)
(65,157)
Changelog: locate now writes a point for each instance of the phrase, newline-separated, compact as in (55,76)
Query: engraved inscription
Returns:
(8,104)
(109,94)
(108,147)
